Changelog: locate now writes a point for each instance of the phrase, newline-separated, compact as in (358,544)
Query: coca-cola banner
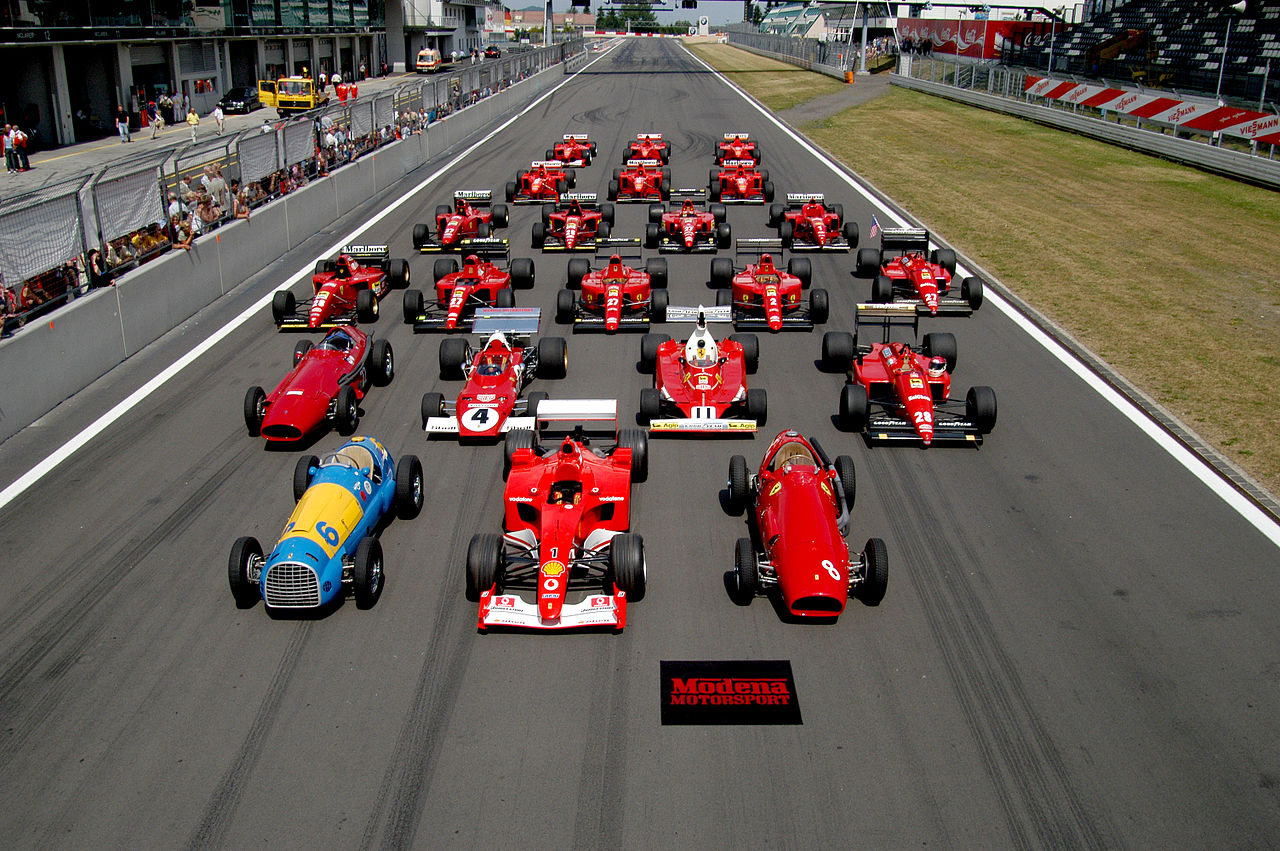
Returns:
(979,39)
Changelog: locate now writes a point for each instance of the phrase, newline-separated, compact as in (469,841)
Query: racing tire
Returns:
(382,363)
(802,268)
(398,273)
(655,213)
(837,351)
(750,351)
(819,306)
(724,235)
(759,156)
(517,438)
(658,301)
(776,212)
(971,291)
(320,266)
(664,190)
(501,215)
(854,408)
(510,191)
(838,209)
(980,408)
(300,351)
(302,475)
(946,258)
(868,265)
(786,233)
(532,401)
(504,298)
(570,178)
(849,230)
(768,190)
(637,440)
(875,573)
(721,272)
(713,177)
(366,306)
(366,573)
(664,155)
(539,235)
(758,405)
(432,406)
(848,479)
(443,267)
(656,269)
(593,149)
(746,572)
(546,211)
(941,344)
(617,172)
(627,567)
(649,344)
(484,230)
(606,213)
(442,210)
(553,357)
(739,485)
(421,235)
(603,230)
(650,405)
(719,212)
(254,402)
(522,271)
(453,355)
(485,563)
(347,413)
(410,487)
(243,552)
(713,193)
(283,305)
(551,155)
(652,235)
(412,305)
(578,268)
(764,172)
(724,298)
(882,289)
(612,192)
(565,302)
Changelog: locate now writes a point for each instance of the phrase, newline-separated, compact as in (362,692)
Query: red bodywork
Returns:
(573,227)
(740,181)
(477,280)
(542,182)
(643,181)
(895,370)
(929,281)
(335,291)
(615,290)
(689,227)
(575,149)
(463,222)
(703,382)
(648,146)
(763,288)
(301,401)
(736,148)
(495,377)
(814,224)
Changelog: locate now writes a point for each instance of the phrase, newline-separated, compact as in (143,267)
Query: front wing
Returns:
(555,244)
(669,244)
(473,245)
(896,429)
(795,321)
(299,320)
(837,244)
(585,321)
(686,425)
(946,306)
(509,610)
(449,425)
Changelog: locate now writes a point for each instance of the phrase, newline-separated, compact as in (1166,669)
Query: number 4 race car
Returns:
(763,296)
(472,217)
(347,290)
(903,274)
(614,297)
(566,559)
(495,374)
(479,283)
(688,228)
(544,181)
(800,504)
(805,223)
(739,182)
(329,546)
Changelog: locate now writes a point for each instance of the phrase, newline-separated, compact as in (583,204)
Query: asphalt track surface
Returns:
(1078,647)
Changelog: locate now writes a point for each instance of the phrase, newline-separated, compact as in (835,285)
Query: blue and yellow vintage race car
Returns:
(330,544)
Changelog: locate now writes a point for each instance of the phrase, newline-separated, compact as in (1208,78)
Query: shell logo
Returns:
(552,568)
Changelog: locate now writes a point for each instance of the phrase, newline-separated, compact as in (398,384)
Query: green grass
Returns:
(775,84)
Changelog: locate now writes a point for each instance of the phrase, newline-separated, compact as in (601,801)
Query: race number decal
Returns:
(831,569)
(703,412)
(480,419)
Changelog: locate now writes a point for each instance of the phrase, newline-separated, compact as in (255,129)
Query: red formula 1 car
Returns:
(479,283)
(687,228)
(763,296)
(648,146)
(577,223)
(739,182)
(496,374)
(566,558)
(544,181)
(799,512)
(614,297)
(806,223)
(472,217)
(894,392)
(574,149)
(904,274)
(347,290)
(641,180)
(327,382)
(701,381)
(737,146)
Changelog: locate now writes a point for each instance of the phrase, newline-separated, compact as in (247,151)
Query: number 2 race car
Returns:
(566,558)
(327,382)
(896,393)
(702,381)
(473,217)
(615,297)
(641,180)
(347,290)
(903,274)
(648,146)
(573,149)
(544,181)
(763,296)
(495,374)
(479,283)
(687,229)
(329,546)
(739,182)
(805,223)
(800,504)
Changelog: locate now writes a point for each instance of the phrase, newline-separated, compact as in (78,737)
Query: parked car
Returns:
(240,99)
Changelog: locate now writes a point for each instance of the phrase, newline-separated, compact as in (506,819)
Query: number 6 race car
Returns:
(347,290)
(329,545)
(566,558)
(544,181)
(800,504)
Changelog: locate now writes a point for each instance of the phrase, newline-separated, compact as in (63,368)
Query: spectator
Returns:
(208,213)
(240,205)
(215,185)
(256,193)
(10,152)
(335,78)
(181,233)
(193,121)
(175,206)
(364,70)
(384,68)
(99,275)
(166,106)
(122,124)
(266,126)
(220,118)
(154,118)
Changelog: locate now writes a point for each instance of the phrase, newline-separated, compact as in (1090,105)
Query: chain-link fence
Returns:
(831,58)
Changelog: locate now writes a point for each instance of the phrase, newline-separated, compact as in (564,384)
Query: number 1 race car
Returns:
(903,274)
(614,297)
(575,149)
(327,382)
(763,296)
(641,180)
(329,546)
(800,504)
(566,558)
(896,393)
(737,146)
(648,146)
(347,290)
(495,374)
(473,217)
(687,229)
(479,283)
(805,223)
(577,223)
(544,181)
(739,182)
(702,381)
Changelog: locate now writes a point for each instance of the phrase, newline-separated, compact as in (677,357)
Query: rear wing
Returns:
(798,199)
(576,137)
(359,251)
(736,163)
(904,239)
(758,245)
(743,136)
(580,197)
(566,416)
(515,322)
(694,314)
(888,315)
(473,196)
(650,163)
(696,193)
(546,164)
(649,137)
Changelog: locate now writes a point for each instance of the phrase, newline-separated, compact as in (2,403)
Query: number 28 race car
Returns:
(459,292)
(329,546)
(347,290)
(566,558)
(799,510)
(615,297)
(472,217)
(904,275)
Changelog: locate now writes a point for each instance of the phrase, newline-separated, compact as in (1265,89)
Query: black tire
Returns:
(570,178)
(837,351)
(367,573)
(971,290)
(776,212)
(739,485)
(578,268)
(421,236)
(617,172)
(882,289)
(484,230)
(724,235)
(453,355)
(650,404)
(848,479)
(300,351)
(539,235)
(546,211)
(409,487)
(244,590)
(283,305)
(664,188)
(713,192)
(946,258)
(533,400)
(637,440)
(413,305)
(612,192)
(980,407)
(658,301)
(746,572)
(366,306)
(485,561)
(665,156)
(750,350)
(768,190)
(941,344)
(382,362)
(758,405)
(764,172)
(626,564)
(553,357)
(551,155)
(875,579)
(522,272)
(603,230)
(719,212)
(511,190)
(302,475)
(504,298)
(819,306)
(656,212)
(652,235)
(501,215)
(432,406)
(854,408)
(347,413)
(721,272)
(254,402)
(656,269)
(565,302)
(398,273)
(442,210)
(786,233)
(724,298)
(649,344)
(849,230)
(442,267)
(868,263)
(606,213)
(802,268)
(517,438)
(838,209)
(713,177)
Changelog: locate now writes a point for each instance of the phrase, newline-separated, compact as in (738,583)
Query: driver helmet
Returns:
(490,364)
(343,266)
(472,260)
(937,366)
(688,206)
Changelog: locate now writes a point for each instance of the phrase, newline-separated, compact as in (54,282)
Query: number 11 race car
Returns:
(347,290)
(904,275)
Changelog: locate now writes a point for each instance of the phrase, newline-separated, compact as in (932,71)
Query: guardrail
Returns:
(827,58)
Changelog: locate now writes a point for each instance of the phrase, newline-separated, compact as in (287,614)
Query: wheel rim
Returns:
(388,365)
(417,490)
(375,576)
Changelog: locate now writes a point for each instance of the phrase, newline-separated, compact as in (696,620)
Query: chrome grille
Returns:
(292,586)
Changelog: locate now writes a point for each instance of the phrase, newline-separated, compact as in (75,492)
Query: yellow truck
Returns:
(291,94)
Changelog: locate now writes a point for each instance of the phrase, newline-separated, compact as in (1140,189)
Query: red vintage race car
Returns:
(641,180)
(459,292)
(473,216)
(573,149)
(799,512)
(737,146)
(739,182)
(648,146)
(905,272)
(566,558)
(577,223)
(687,228)
(496,374)
(614,297)
(327,383)
(894,392)
(763,296)
(806,223)
(701,381)
(347,290)
(545,180)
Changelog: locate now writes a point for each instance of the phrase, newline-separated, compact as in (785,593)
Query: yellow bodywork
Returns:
(325,515)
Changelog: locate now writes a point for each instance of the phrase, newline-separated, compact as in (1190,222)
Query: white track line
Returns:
(1196,465)
(103,422)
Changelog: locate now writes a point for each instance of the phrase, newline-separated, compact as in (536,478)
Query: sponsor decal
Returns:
(729,692)
(777,486)
(552,568)
(916,383)
(519,499)
(612,498)
(551,584)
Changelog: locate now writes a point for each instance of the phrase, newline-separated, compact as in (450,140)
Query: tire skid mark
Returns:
(1036,795)
(216,819)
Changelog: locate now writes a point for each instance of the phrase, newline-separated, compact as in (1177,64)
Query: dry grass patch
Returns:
(775,84)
